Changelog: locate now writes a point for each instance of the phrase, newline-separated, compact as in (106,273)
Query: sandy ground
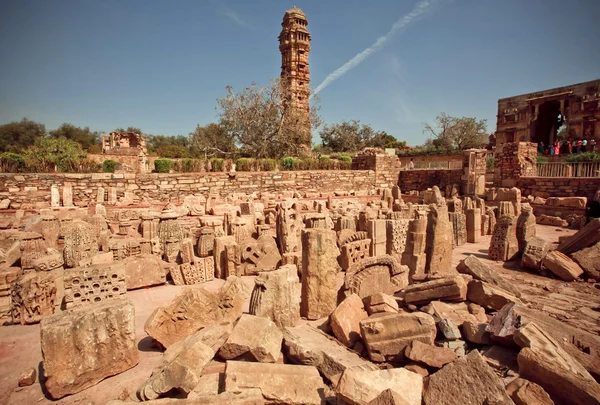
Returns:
(575,303)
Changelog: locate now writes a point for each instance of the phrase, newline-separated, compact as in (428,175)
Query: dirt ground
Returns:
(577,304)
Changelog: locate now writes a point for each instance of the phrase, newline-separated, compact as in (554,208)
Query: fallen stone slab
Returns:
(380,302)
(535,251)
(587,236)
(466,381)
(457,312)
(253,339)
(476,333)
(195,308)
(432,356)
(143,271)
(562,266)
(345,320)
(589,260)
(307,345)
(480,271)
(361,387)
(184,361)
(449,329)
(524,392)
(445,289)
(386,336)
(109,348)
(279,383)
(27,377)
(488,296)
(388,397)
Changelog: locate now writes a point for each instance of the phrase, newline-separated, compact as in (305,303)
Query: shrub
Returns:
(109,166)
(244,165)
(187,165)
(287,163)
(90,166)
(583,157)
(489,163)
(12,162)
(216,164)
(344,158)
(163,165)
(268,165)
(542,159)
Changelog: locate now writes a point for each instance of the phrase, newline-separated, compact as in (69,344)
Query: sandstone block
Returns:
(449,329)
(489,297)
(27,377)
(386,336)
(474,267)
(276,296)
(587,236)
(535,251)
(388,397)
(447,289)
(308,345)
(110,346)
(253,338)
(345,320)
(476,333)
(195,308)
(143,271)
(562,266)
(361,387)
(381,302)
(524,392)
(278,383)
(457,312)
(589,260)
(432,356)
(468,380)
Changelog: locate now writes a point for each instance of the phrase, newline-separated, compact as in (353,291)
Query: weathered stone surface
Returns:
(89,285)
(377,231)
(589,260)
(276,296)
(278,383)
(386,336)
(289,225)
(458,220)
(474,267)
(439,240)
(397,233)
(417,368)
(220,255)
(476,333)
(488,296)
(374,275)
(319,267)
(562,266)
(504,245)
(380,302)
(27,377)
(432,356)
(253,338)
(184,361)
(473,225)
(449,329)
(195,308)
(589,235)
(143,271)
(345,320)
(109,348)
(36,295)
(388,397)
(557,381)
(525,226)
(447,289)
(414,254)
(535,251)
(456,312)
(308,345)
(466,381)
(352,252)
(359,387)
(524,392)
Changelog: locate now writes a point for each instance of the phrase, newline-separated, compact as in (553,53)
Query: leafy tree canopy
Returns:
(83,136)
(450,133)
(352,136)
(48,153)
(18,135)
(211,140)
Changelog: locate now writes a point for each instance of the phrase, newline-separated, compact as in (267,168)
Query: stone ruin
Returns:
(398,323)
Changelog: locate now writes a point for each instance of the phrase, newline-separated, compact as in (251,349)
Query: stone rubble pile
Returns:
(350,302)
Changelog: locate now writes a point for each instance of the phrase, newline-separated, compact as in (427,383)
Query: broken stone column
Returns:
(504,245)
(489,296)
(439,241)
(68,195)
(397,234)
(377,231)
(220,255)
(562,266)
(473,225)
(525,227)
(289,225)
(535,251)
(253,338)
(54,196)
(80,243)
(112,196)
(84,346)
(276,296)
(170,234)
(459,228)
(206,242)
(414,254)
(100,197)
(33,246)
(319,269)
(446,289)
(585,237)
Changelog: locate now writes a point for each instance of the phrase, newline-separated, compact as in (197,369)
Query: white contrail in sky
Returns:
(420,8)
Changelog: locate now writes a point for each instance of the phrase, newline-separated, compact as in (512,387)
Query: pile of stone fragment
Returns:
(351,304)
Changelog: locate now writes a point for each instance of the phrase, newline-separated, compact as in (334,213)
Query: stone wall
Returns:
(512,161)
(452,160)
(423,179)
(34,188)
(558,186)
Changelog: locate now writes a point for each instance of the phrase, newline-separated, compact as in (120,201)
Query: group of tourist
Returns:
(567,146)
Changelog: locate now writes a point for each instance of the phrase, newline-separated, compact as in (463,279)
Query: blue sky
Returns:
(161,65)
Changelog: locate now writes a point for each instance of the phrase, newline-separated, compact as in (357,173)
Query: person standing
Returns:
(411,164)
(584,146)
(592,145)
(556,148)
(541,148)
(578,147)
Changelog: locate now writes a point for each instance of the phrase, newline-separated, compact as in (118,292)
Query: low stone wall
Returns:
(451,159)
(558,186)
(423,179)
(34,188)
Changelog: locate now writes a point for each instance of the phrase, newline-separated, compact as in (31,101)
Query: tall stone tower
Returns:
(294,45)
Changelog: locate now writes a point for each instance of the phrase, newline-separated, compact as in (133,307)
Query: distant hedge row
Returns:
(338,162)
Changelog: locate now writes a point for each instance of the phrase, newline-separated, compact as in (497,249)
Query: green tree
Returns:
(54,154)
(264,121)
(83,136)
(129,129)
(347,136)
(211,140)
(173,151)
(451,133)
(16,136)
(384,140)
(161,143)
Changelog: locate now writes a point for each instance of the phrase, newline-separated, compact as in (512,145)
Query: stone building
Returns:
(537,117)
(294,45)
(127,148)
